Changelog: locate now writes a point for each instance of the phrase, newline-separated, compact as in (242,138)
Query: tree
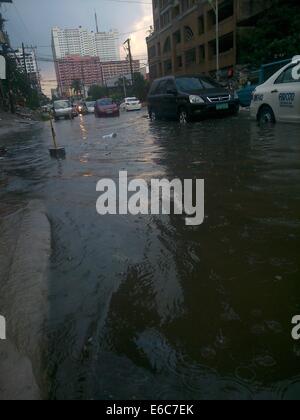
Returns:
(140,86)
(77,87)
(97,92)
(276,35)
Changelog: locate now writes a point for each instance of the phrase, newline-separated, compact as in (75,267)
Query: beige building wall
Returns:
(184,38)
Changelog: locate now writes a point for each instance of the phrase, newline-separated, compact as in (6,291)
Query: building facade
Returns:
(184,36)
(29,63)
(87,70)
(80,41)
(113,69)
(107,46)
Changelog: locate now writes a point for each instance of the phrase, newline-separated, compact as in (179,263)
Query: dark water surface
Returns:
(146,307)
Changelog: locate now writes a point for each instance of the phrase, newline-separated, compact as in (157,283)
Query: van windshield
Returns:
(194,84)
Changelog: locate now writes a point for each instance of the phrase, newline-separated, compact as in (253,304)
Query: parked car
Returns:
(106,107)
(131,104)
(90,105)
(190,97)
(278,99)
(62,109)
(258,78)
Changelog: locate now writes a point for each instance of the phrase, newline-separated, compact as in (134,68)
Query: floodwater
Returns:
(144,307)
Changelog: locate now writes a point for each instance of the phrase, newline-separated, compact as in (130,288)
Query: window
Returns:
(152,51)
(176,12)
(290,75)
(194,84)
(202,53)
(167,45)
(165,19)
(179,62)
(155,85)
(169,86)
(190,57)
(168,67)
(161,88)
(177,37)
(201,27)
(188,34)
(153,71)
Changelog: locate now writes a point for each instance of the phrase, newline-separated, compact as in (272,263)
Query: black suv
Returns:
(190,97)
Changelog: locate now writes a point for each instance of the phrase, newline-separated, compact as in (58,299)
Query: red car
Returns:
(106,108)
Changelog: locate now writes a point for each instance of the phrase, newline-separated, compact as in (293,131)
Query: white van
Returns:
(278,99)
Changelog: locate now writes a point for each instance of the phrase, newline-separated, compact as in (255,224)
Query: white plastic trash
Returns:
(110,136)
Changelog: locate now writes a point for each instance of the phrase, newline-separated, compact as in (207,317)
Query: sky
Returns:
(30,21)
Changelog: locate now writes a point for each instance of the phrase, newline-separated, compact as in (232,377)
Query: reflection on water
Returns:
(145,307)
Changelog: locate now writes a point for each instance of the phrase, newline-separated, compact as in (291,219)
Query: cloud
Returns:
(139,33)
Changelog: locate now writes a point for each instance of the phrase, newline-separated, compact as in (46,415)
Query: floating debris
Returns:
(110,136)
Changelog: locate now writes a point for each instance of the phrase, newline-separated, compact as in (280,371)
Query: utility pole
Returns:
(38,78)
(128,42)
(96,20)
(217,40)
(24,60)
(216,10)
(124,86)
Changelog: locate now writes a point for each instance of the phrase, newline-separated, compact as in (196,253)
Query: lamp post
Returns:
(215,5)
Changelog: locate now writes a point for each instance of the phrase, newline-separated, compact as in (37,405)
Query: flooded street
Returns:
(145,307)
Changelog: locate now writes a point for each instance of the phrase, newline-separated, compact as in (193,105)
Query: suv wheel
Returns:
(266,115)
(153,115)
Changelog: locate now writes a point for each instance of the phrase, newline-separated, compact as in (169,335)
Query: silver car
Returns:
(62,109)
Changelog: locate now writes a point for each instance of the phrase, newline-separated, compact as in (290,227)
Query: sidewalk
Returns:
(10,123)
(25,247)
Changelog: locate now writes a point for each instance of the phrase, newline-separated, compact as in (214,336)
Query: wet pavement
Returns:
(144,306)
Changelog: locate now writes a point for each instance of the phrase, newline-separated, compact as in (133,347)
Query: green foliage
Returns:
(139,89)
(140,86)
(276,35)
(77,87)
(19,86)
(97,92)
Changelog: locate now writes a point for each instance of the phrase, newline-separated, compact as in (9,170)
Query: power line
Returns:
(130,1)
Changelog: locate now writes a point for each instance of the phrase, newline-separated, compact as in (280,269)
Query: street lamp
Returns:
(215,5)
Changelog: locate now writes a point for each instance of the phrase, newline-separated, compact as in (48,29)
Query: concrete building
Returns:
(107,46)
(80,41)
(87,70)
(184,36)
(113,69)
(30,63)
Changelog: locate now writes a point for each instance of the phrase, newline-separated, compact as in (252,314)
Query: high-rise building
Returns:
(112,69)
(80,41)
(107,46)
(85,70)
(29,63)
(184,36)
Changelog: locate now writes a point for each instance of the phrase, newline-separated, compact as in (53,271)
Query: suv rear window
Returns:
(154,87)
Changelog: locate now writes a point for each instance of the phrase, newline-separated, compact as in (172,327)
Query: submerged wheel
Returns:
(266,115)
(153,115)
(183,116)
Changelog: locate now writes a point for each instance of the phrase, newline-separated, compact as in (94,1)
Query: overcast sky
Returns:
(30,21)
